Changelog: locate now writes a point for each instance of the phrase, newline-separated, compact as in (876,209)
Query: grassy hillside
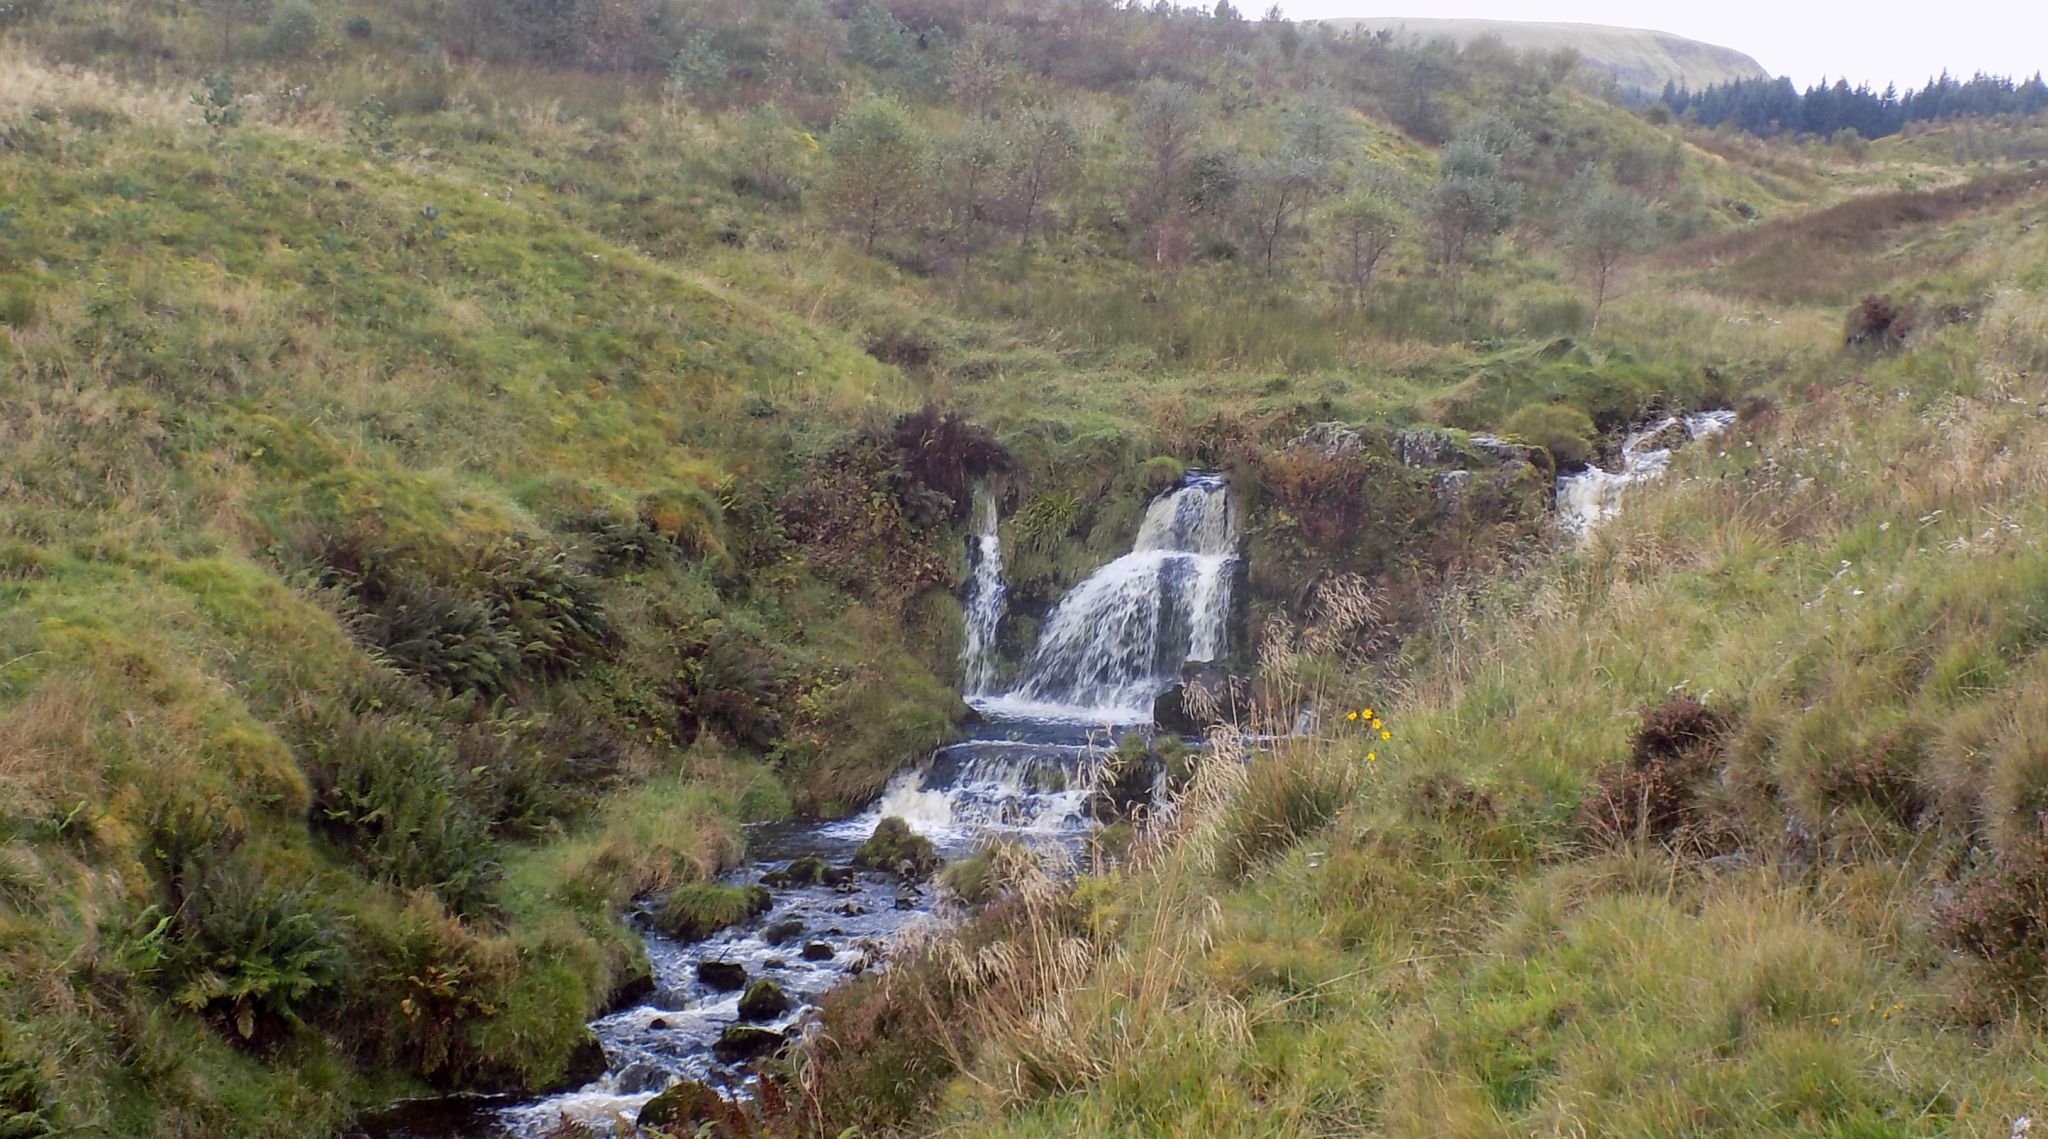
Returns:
(1727,823)
(460,462)
(1638,60)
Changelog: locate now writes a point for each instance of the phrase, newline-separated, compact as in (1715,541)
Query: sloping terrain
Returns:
(1639,60)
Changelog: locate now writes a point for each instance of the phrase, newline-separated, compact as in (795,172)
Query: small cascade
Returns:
(984,602)
(1590,497)
(1118,639)
(979,787)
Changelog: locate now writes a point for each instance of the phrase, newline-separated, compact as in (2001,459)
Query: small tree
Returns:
(981,68)
(1167,127)
(1044,152)
(1607,225)
(229,16)
(1362,226)
(1475,200)
(218,102)
(879,162)
(770,156)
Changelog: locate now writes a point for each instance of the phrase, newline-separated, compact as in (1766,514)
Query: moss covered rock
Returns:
(897,849)
(763,1000)
(695,911)
(743,1042)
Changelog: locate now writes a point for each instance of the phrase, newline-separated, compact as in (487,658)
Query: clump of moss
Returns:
(897,849)
(695,911)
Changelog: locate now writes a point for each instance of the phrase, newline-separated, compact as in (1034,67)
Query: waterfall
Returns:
(1119,639)
(1592,496)
(984,601)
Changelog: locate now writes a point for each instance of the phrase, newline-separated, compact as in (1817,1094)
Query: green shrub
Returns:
(390,795)
(250,956)
(294,31)
(1563,430)
(28,1110)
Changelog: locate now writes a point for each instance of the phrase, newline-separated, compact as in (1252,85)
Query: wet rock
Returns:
(819,951)
(1205,695)
(895,847)
(683,1108)
(783,932)
(847,887)
(763,1000)
(640,1077)
(842,876)
(658,1025)
(725,976)
(906,901)
(851,909)
(586,1064)
(742,1042)
(1665,436)
(634,989)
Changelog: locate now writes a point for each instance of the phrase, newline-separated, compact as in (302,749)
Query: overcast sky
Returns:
(1876,40)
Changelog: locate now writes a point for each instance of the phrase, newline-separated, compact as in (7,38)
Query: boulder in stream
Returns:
(819,951)
(742,1042)
(897,849)
(763,1000)
(725,976)
(809,870)
(783,932)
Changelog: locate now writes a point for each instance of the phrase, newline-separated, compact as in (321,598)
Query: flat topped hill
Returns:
(1637,58)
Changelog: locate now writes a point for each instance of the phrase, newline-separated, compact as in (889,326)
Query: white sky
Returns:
(1876,40)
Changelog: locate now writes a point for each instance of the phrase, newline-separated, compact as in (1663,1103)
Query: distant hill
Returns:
(1644,60)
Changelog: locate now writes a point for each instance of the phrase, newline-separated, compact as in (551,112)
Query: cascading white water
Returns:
(1119,639)
(974,788)
(985,599)
(1592,496)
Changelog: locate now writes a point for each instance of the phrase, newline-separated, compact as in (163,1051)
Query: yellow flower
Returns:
(1375,725)
(1368,714)
(1836,1021)
(1386,735)
(1372,757)
(1352,716)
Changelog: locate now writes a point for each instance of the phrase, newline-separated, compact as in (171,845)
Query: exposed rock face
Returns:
(1427,447)
(1330,440)
(1205,695)
(1451,487)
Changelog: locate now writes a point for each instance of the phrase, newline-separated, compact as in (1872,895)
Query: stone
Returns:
(742,1042)
(1427,447)
(783,932)
(763,1000)
(1330,441)
(640,1077)
(819,951)
(1452,488)
(725,976)
(586,1064)
(894,847)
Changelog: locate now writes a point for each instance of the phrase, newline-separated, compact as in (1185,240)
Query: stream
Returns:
(1026,771)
